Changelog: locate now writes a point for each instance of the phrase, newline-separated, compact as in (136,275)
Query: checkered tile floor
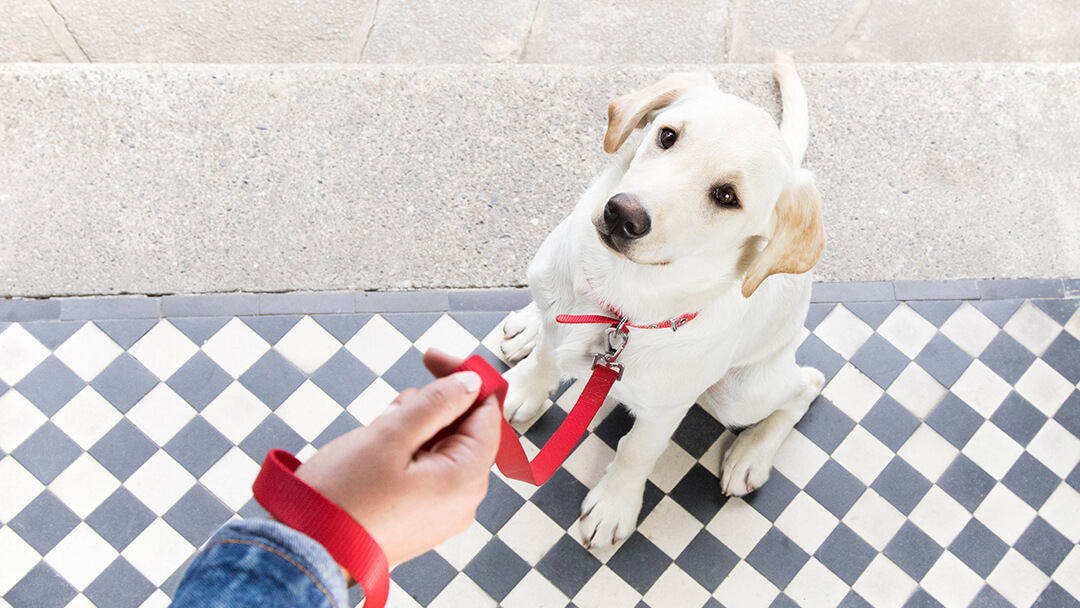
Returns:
(939,466)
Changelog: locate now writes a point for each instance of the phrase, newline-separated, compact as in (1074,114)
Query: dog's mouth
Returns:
(614,246)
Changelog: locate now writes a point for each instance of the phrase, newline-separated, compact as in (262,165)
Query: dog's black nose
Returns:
(625,217)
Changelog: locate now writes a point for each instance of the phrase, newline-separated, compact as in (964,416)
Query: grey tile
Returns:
(540,432)
(492,360)
(42,587)
(873,313)
(560,498)
(955,420)
(1021,288)
(272,379)
(962,289)
(271,328)
(1018,418)
(966,482)
(124,382)
(568,566)
(121,518)
(120,307)
(650,498)
(697,432)
(699,493)
(772,498)
(1068,415)
(815,353)
(497,569)
(199,381)
(1031,480)
(825,424)
(998,311)
(341,425)
(412,324)
(1072,287)
(935,311)
(943,360)
(479,324)
(901,485)
(126,332)
(199,329)
(408,371)
(304,303)
(402,301)
(502,300)
(50,385)
(777,557)
(707,560)
(845,553)
(817,313)
(890,422)
(271,433)
(1043,546)
(989,598)
(880,291)
(44,522)
(424,577)
(197,446)
(342,327)
(343,377)
(119,586)
(47,452)
(880,361)
(854,600)
(979,548)
(217,305)
(18,310)
(639,562)
(1074,478)
(783,601)
(197,515)
(913,550)
(501,502)
(835,488)
(171,583)
(1063,355)
(1054,596)
(1060,310)
(921,599)
(52,333)
(123,450)
(253,510)
(1007,357)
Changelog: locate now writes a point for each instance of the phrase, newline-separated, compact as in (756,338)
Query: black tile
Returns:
(210,305)
(545,426)
(707,560)
(489,299)
(47,452)
(825,424)
(1043,546)
(50,385)
(301,302)
(936,290)
(412,325)
(408,371)
(117,307)
(1059,309)
(199,329)
(697,432)
(497,569)
(342,327)
(343,377)
(871,291)
(356,596)
(772,498)
(954,420)
(1007,357)
(197,515)
(479,324)
(271,328)
(52,334)
(890,422)
(252,509)
(124,382)
(998,311)
(42,587)
(845,553)
(197,446)
(490,357)
(817,313)
(612,428)
(913,550)
(835,488)
(1072,287)
(121,518)
(1063,355)
(650,498)
(880,361)
(815,353)
(1018,418)
(979,548)
(119,586)
(943,360)
(171,583)
(270,434)
(1031,480)
(999,289)
(922,599)
(901,485)
(1054,596)
(568,566)
(19,309)
(44,522)
(272,379)
(1068,415)
(699,493)
(709,603)
(854,600)
(126,332)
(777,557)
(639,562)
(988,598)
(341,425)
(199,381)
(502,502)
(123,450)
(872,313)
(424,577)
(935,311)
(402,301)
(1074,478)
(783,601)
(966,482)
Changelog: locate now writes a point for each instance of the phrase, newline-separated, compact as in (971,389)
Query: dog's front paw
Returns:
(521,404)
(746,465)
(520,331)
(609,514)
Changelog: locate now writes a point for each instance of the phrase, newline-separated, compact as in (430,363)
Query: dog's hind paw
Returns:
(520,331)
(746,465)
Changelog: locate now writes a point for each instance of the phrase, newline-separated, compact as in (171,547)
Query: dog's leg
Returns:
(531,381)
(520,331)
(610,511)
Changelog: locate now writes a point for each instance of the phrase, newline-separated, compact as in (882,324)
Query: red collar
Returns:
(674,323)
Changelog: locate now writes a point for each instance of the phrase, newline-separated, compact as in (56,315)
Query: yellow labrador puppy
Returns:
(710,215)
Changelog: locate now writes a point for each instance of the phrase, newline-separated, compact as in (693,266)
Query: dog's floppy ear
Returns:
(799,238)
(631,111)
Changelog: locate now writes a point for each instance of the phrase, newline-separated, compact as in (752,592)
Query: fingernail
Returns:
(470,381)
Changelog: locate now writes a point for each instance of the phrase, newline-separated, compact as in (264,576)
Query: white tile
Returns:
(18,420)
(81,556)
(940,516)
(1005,514)
(917,390)
(739,526)
(1044,387)
(84,485)
(806,522)
(884,584)
(309,410)
(235,347)
(951,582)
(20,489)
(399,598)
(970,329)
(852,392)
(88,351)
(161,413)
(874,519)
(462,592)
(1018,580)
(461,549)
(993,450)
(589,461)
(928,452)
(863,455)
(86,418)
(1032,328)
(714,455)
(799,459)
(157,599)
(534,591)
(843,332)
(448,336)
(80,601)
(907,330)
(231,477)
(606,590)
(235,412)
(981,388)
(530,533)
(306,452)
(307,345)
(745,587)
(16,559)
(163,350)
(160,482)
(158,551)
(1067,574)
(369,404)
(1056,447)
(20,353)
(815,586)
(670,468)
(675,589)
(1073,327)
(1060,511)
(378,345)
(670,527)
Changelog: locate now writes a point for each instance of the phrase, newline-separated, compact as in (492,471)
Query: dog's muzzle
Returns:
(624,219)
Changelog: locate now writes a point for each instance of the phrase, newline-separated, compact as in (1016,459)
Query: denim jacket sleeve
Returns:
(264,564)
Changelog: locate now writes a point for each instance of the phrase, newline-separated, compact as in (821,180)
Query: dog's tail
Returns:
(795,122)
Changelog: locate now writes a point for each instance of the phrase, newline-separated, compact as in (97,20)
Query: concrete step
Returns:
(213,178)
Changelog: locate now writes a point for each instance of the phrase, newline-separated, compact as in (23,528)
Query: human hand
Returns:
(408,495)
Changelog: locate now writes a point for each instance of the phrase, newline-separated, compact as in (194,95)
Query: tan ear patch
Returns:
(630,112)
(799,238)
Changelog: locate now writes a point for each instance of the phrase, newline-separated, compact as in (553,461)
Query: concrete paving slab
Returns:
(26,34)
(188,179)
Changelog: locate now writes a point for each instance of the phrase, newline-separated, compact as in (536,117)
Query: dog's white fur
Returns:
(738,356)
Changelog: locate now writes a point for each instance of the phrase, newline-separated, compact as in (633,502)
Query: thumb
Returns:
(432,408)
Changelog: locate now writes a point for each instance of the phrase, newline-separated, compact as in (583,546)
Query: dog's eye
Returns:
(666,138)
(725,196)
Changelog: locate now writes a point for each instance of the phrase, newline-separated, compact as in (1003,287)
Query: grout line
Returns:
(58,28)
(371,28)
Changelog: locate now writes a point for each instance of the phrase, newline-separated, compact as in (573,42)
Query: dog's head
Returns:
(711,183)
